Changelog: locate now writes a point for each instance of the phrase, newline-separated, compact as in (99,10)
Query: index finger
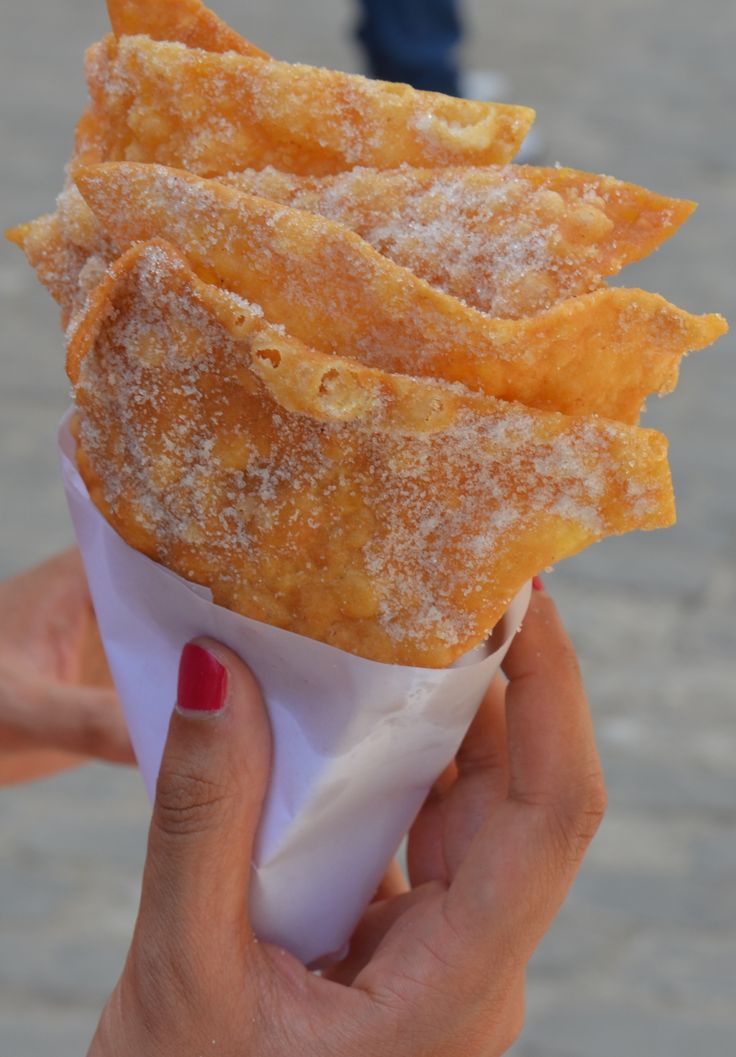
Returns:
(522,862)
(551,741)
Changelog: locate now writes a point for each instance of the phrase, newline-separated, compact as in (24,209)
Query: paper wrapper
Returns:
(357,744)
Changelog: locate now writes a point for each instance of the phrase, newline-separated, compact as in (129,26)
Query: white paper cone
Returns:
(357,744)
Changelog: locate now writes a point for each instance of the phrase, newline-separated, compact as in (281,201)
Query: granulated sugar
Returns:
(160,101)
(331,290)
(509,240)
(398,534)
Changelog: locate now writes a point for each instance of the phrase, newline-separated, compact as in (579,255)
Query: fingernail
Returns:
(537,584)
(202,681)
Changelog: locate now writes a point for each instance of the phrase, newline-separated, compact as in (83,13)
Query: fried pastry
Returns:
(68,251)
(390,516)
(600,353)
(510,240)
(365,382)
(58,262)
(89,140)
(186,21)
(210,113)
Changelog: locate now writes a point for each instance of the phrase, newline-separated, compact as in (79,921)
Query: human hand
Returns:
(57,705)
(437,971)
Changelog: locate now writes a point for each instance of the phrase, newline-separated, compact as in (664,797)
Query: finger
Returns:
(60,583)
(516,1013)
(511,1022)
(438,791)
(386,905)
(30,765)
(393,883)
(84,721)
(498,1018)
(522,862)
(444,783)
(375,925)
(209,796)
(437,846)
(484,748)
(484,745)
(93,667)
(90,722)
(551,742)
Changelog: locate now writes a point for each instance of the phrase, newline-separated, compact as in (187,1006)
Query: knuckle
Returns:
(159,985)
(597,797)
(482,760)
(188,804)
(580,816)
(153,987)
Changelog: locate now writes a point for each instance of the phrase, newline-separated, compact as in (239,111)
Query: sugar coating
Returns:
(186,21)
(369,201)
(602,352)
(391,516)
(209,113)
(510,240)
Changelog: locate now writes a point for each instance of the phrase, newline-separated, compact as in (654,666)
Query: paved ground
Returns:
(643,958)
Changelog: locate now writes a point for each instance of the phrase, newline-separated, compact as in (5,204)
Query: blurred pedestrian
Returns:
(417,42)
(413,41)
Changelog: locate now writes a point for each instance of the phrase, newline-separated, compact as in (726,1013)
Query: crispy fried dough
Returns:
(510,240)
(601,353)
(389,516)
(60,264)
(186,21)
(89,140)
(209,113)
(68,251)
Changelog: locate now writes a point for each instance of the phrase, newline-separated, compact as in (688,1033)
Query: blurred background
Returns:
(643,957)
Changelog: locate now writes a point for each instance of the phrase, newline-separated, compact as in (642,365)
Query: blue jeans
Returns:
(413,41)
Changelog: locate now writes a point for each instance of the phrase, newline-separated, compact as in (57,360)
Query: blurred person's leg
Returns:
(417,41)
(414,41)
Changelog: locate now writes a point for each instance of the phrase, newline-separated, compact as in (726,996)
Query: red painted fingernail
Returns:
(202,681)
(537,584)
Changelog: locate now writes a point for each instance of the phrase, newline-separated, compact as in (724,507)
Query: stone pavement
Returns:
(642,960)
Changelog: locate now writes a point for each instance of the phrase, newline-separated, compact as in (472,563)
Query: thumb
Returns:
(210,791)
